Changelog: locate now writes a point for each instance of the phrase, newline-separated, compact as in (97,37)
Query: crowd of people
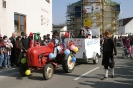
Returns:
(11,49)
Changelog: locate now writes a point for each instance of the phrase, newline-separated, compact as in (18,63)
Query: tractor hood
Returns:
(34,52)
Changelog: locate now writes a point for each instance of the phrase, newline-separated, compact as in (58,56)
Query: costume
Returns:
(88,32)
(57,41)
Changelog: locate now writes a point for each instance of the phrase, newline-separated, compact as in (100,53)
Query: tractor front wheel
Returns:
(48,71)
(67,64)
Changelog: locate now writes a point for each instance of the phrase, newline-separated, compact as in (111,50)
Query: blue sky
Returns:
(60,7)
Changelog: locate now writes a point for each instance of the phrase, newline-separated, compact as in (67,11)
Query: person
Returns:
(11,45)
(81,34)
(44,41)
(39,38)
(19,49)
(88,32)
(1,52)
(128,45)
(108,56)
(30,39)
(25,41)
(7,48)
(48,38)
(13,54)
(57,41)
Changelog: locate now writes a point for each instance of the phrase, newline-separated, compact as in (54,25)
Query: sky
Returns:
(60,8)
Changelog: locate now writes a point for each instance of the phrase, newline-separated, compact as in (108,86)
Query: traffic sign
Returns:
(87,22)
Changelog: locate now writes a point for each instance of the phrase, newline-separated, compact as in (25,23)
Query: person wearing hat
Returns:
(39,38)
(108,56)
(88,32)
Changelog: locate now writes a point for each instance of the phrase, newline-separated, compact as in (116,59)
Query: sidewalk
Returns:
(8,70)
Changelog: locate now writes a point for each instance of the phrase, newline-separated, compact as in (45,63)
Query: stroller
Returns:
(126,52)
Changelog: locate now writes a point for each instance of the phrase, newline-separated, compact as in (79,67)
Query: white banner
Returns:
(96,9)
(91,46)
(88,9)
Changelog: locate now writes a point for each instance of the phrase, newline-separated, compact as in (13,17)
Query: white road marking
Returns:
(86,73)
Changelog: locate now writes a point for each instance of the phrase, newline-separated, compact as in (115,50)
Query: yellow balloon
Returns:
(27,72)
(75,49)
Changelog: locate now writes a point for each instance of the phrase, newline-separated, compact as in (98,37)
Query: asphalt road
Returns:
(83,76)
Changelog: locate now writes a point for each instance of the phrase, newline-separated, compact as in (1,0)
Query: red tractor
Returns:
(37,58)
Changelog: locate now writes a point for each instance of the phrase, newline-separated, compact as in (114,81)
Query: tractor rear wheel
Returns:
(48,71)
(67,64)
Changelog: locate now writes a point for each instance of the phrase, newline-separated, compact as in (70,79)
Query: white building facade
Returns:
(25,16)
(127,26)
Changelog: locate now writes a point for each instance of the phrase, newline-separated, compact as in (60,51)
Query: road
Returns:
(83,76)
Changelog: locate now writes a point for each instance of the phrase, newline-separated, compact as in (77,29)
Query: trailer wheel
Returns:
(67,64)
(48,71)
(96,60)
(22,69)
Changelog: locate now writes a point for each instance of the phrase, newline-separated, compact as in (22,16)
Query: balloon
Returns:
(51,55)
(36,37)
(73,59)
(71,43)
(66,35)
(23,60)
(38,33)
(67,51)
(27,72)
(76,49)
(72,47)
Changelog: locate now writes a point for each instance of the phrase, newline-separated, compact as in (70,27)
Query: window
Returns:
(19,23)
(16,22)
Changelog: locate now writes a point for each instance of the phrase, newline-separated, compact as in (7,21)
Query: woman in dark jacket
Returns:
(81,34)
(19,49)
(108,56)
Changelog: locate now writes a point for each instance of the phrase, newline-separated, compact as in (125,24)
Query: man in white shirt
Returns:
(88,32)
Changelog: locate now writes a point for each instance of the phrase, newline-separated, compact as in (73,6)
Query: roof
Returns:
(78,3)
(112,3)
(58,26)
(126,20)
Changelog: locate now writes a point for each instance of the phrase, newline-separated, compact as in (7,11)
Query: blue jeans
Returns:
(1,59)
(7,60)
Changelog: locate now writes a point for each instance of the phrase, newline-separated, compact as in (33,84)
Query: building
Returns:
(125,26)
(61,28)
(94,13)
(25,16)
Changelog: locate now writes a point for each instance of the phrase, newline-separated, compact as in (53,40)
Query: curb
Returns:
(8,71)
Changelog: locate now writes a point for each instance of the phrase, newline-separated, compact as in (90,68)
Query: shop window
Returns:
(19,23)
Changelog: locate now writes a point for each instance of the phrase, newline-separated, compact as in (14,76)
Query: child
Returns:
(10,45)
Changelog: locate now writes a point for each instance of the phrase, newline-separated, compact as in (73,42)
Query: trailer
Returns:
(89,49)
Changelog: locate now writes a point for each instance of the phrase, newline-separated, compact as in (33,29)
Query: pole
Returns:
(82,12)
(102,16)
